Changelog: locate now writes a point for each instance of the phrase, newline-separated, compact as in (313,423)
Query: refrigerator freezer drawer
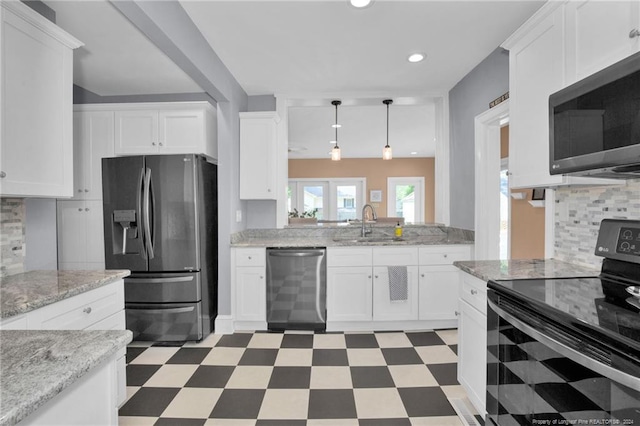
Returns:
(171,322)
(162,288)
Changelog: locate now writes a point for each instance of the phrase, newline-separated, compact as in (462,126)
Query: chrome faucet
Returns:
(366,232)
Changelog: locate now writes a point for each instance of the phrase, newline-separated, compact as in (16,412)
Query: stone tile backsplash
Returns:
(12,236)
(579,212)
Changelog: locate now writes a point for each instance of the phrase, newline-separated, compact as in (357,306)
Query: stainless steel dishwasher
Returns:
(296,288)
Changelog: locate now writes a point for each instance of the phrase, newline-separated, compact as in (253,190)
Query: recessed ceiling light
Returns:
(414,152)
(336,125)
(416,57)
(360,3)
(332,141)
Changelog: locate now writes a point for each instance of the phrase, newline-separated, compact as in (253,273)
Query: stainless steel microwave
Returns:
(594,124)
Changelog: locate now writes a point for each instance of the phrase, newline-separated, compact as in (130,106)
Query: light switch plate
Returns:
(238,215)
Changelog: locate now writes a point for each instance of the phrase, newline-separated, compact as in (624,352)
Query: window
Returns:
(406,198)
(335,199)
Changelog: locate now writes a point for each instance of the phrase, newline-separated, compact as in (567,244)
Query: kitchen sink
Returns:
(368,240)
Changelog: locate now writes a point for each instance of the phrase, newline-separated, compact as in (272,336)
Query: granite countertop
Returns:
(350,236)
(25,292)
(37,365)
(527,268)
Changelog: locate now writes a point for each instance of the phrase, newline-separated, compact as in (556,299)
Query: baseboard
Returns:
(224,324)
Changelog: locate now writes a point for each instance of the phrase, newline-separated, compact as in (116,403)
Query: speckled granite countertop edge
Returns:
(75,282)
(345,242)
(37,365)
(527,268)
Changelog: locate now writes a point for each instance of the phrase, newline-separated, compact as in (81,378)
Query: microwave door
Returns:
(171,196)
(122,179)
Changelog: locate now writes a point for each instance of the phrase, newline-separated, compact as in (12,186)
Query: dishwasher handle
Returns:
(296,253)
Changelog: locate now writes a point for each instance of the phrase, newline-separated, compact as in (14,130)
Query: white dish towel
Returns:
(398,286)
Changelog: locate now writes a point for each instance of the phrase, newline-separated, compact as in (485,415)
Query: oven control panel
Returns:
(619,239)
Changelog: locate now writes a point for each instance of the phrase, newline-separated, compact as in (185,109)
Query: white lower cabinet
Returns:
(349,293)
(472,340)
(438,291)
(386,309)
(249,290)
(98,309)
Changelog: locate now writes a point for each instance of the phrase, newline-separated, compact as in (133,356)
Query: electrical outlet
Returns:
(238,215)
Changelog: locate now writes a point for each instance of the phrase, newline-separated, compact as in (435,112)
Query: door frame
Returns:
(487,181)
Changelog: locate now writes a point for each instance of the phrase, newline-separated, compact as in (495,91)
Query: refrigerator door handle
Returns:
(140,209)
(146,213)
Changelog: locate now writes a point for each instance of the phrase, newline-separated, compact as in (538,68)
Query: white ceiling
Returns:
(320,50)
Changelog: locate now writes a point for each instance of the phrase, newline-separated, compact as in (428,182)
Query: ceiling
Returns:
(318,50)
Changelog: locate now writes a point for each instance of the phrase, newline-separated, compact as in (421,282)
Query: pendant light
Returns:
(386,151)
(335,152)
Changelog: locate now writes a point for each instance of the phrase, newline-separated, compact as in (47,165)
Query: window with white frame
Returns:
(337,199)
(406,198)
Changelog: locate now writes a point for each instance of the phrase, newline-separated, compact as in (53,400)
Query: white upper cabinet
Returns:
(36,84)
(542,59)
(599,34)
(258,155)
(167,128)
(92,141)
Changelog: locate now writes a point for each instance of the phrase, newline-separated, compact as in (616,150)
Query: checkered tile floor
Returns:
(390,378)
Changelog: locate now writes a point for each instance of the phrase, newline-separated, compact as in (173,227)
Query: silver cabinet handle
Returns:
(474,291)
(3,175)
(634,33)
(87,310)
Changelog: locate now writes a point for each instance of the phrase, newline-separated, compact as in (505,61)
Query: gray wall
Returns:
(470,97)
(40,234)
(262,103)
(84,96)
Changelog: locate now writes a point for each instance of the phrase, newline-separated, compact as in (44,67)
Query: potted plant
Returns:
(304,218)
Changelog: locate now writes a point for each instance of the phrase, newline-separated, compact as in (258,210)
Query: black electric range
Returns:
(568,349)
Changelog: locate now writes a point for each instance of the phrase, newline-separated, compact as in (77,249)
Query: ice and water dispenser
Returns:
(125,227)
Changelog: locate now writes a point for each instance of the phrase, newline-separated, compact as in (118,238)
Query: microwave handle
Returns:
(575,356)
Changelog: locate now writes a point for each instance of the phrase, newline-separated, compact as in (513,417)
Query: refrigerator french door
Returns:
(160,221)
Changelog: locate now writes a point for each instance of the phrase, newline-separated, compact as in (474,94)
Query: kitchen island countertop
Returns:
(36,365)
(526,268)
(25,292)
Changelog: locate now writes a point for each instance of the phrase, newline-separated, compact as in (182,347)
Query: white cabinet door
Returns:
(385,309)
(251,294)
(535,71)
(349,294)
(36,66)
(136,132)
(93,141)
(80,234)
(598,35)
(181,131)
(439,292)
(472,355)
(258,156)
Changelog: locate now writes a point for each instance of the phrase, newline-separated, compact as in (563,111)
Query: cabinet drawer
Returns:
(395,256)
(81,311)
(474,291)
(250,257)
(443,255)
(349,257)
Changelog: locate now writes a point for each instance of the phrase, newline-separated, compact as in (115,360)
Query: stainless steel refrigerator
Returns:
(161,222)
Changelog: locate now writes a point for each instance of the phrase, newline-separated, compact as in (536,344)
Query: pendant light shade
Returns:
(335,152)
(387,154)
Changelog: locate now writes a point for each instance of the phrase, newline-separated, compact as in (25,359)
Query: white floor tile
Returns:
(393,340)
(155,355)
(438,354)
(436,421)
(294,357)
(171,376)
(329,341)
(365,357)
(379,403)
(285,404)
(266,341)
(410,376)
(136,421)
(250,377)
(208,342)
(331,378)
(223,356)
(450,337)
(193,403)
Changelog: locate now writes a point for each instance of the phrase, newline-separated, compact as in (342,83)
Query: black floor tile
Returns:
(290,378)
(137,375)
(479,419)
(259,357)
(415,402)
(189,356)
(149,402)
(210,376)
(355,341)
(332,404)
(236,340)
(133,352)
(401,356)
(425,338)
(454,348)
(330,357)
(238,404)
(371,377)
(167,421)
(299,341)
(384,422)
(281,423)
(445,374)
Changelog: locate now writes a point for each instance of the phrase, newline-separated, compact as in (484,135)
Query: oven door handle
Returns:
(575,356)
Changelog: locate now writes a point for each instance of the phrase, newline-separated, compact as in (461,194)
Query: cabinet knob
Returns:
(261,277)
(474,292)
(376,276)
(3,175)
(87,209)
(634,33)
(456,313)
(369,276)
(87,310)
(86,190)
(153,144)
(446,255)
(160,144)
(422,275)
(249,257)
(79,190)
(268,190)
(79,209)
